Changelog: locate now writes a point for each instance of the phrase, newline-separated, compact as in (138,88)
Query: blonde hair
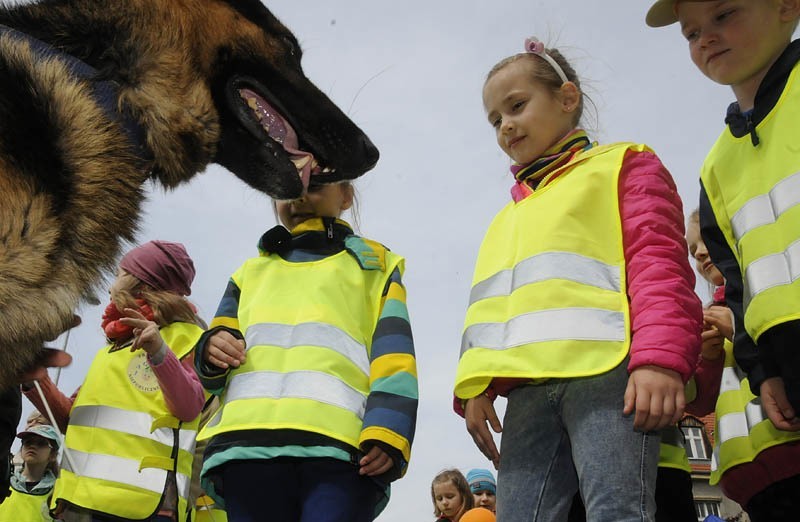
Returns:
(168,307)
(462,486)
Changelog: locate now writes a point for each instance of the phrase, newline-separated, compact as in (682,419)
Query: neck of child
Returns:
(746,90)
(34,472)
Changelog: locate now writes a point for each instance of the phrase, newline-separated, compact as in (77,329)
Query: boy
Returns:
(750,182)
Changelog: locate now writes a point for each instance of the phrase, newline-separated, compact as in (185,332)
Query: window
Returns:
(695,443)
(705,508)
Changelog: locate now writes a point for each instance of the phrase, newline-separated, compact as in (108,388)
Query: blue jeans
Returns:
(298,490)
(570,434)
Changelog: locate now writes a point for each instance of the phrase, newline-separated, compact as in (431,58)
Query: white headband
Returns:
(534,46)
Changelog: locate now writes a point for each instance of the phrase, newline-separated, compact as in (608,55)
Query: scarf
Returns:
(529,177)
(117,332)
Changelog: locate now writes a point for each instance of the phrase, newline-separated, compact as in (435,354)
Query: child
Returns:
(451,496)
(755,464)
(749,211)
(31,486)
(483,487)
(581,279)
(312,356)
(132,423)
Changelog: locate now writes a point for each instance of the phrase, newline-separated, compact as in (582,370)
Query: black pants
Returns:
(779,502)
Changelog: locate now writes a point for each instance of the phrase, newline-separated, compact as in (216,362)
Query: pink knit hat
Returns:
(161,264)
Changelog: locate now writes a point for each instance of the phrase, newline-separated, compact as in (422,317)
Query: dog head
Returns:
(277,129)
(210,81)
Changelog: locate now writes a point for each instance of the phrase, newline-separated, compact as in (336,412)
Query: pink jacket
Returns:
(666,314)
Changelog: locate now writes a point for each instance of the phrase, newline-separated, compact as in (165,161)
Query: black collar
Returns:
(105,92)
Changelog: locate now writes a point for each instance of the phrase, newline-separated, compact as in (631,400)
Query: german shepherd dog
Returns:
(98,96)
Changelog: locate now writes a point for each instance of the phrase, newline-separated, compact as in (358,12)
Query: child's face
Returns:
(485,498)
(319,201)
(734,42)
(36,450)
(527,117)
(448,499)
(697,249)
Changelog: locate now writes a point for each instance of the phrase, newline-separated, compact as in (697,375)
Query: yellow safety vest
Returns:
(672,451)
(549,296)
(742,429)
(206,510)
(24,507)
(755,195)
(308,329)
(122,440)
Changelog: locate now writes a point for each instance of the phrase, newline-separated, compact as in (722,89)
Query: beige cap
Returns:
(663,13)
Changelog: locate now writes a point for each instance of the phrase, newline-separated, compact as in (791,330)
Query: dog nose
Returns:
(370,153)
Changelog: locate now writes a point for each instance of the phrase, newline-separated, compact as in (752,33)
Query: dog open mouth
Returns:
(280,131)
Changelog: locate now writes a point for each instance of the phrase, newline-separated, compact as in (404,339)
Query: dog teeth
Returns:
(301,162)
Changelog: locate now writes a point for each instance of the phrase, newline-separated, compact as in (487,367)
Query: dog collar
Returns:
(105,92)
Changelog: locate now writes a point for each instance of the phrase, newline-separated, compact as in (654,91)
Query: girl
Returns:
(132,424)
(754,463)
(582,310)
(451,496)
(312,357)
(31,486)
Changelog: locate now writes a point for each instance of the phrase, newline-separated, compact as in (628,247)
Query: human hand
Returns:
(719,318)
(656,394)
(777,406)
(375,462)
(224,350)
(713,344)
(146,334)
(478,412)
(48,358)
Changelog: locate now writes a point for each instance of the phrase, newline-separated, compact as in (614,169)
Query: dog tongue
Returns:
(279,130)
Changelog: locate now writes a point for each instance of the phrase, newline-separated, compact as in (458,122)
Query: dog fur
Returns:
(71,176)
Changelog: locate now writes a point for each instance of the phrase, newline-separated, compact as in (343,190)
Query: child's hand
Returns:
(657,396)
(720,318)
(375,462)
(478,412)
(224,350)
(713,344)
(146,334)
(779,411)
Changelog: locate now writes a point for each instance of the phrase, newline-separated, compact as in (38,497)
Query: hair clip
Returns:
(534,46)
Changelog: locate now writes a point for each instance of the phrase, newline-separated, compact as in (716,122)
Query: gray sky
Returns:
(410,74)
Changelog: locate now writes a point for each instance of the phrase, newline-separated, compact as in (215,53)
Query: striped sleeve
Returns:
(391,411)
(226,318)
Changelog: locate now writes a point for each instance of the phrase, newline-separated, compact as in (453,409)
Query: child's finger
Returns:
(629,398)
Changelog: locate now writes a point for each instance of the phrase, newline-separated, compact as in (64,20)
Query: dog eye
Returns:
(294,48)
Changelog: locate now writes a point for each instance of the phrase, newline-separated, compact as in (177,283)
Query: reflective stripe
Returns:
(120,470)
(131,422)
(731,381)
(547,325)
(550,265)
(732,425)
(309,334)
(317,386)
(767,208)
(740,423)
(773,270)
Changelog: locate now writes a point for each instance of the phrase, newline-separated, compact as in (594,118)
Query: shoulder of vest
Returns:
(370,254)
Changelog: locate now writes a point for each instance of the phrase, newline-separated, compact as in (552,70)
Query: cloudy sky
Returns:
(410,74)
